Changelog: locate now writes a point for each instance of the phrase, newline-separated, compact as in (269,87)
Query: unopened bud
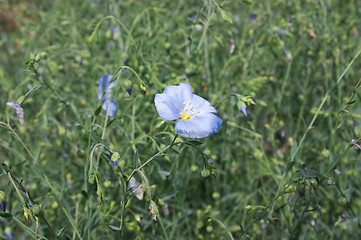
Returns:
(36,210)
(91,179)
(115,156)
(107,184)
(205,173)
(27,213)
(153,210)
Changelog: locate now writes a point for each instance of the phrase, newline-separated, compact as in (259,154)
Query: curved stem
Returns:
(154,156)
(145,180)
(225,98)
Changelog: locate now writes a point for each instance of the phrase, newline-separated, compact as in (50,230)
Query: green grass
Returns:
(289,170)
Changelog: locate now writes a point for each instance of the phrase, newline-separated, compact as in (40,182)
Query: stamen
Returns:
(188,111)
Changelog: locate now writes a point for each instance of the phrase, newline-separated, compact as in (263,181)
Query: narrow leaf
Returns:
(115,228)
(61,231)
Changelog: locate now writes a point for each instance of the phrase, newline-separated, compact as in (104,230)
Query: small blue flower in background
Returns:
(243,109)
(196,113)
(116,31)
(114,163)
(114,160)
(19,111)
(3,203)
(138,191)
(288,54)
(103,87)
(8,233)
(104,94)
(279,31)
(252,17)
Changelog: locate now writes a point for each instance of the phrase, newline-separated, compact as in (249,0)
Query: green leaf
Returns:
(289,166)
(351,102)
(115,228)
(247,1)
(226,15)
(97,111)
(6,215)
(340,125)
(61,231)
(163,174)
(43,205)
(110,122)
(195,142)
(5,167)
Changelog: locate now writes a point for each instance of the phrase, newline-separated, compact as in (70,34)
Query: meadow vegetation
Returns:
(284,76)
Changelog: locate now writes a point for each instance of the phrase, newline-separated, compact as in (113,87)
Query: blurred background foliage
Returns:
(269,182)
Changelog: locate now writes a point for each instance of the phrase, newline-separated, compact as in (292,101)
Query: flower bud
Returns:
(115,156)
(153,210)
(36,210)
(142,87)
(37,57)
(127,83)
(205,173)
(107,184)
(27,213)
(54,205)
(115,159)
(91,179)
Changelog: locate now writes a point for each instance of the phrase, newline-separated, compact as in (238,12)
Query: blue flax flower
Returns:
(19,111)
(243,109)
(252,17)
(3,205)
(197,118)
(288,54)
(104,93)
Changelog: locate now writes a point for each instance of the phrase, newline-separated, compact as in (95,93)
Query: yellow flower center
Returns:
(188,112)
(186,116)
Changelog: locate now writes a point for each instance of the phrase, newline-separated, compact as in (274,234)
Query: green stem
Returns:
(225,228)
(61,99)
(19,139)
(327,95)
(225,98)
(26,228)
(124,189)
(154,156)
(163,228)
(46,179)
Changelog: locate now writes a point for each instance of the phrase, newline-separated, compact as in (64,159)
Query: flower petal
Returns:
(105,80)
(199,127)
(112,107)
(166,108)
(182,93)
(138,191)
(202,105)
(244,109)
(170,103)
(3,205)
(103,83)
